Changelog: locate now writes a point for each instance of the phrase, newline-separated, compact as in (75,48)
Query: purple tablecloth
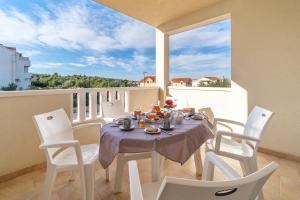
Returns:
(186,138)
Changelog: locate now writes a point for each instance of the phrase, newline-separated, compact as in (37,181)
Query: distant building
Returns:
(185,82)
(14,68)
(205,81)
(148,81)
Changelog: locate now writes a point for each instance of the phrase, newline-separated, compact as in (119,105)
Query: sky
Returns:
(83,37)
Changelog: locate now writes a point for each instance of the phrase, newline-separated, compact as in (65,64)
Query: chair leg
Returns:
(107,174)
(198,162)
(83,182)
(155,166)
(119,173)
(49,182)
(89,172)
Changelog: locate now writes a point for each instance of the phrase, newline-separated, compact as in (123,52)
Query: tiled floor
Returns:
(283,185)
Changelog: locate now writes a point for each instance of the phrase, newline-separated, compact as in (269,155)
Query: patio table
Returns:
(177,145)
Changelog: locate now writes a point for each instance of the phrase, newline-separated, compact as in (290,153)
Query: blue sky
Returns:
(84,37)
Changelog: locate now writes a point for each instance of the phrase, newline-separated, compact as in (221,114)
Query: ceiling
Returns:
(156,12)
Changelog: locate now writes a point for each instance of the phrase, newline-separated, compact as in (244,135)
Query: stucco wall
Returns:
(265,60)
(18,138)
(143,97)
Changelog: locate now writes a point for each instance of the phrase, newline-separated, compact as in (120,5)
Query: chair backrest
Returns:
(112,109)
(256,122)
(245,188)
(52,127)
(207,111)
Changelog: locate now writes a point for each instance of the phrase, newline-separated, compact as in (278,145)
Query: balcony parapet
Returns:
(4,94)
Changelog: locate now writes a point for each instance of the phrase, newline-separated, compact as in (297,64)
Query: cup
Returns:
(192,111)
(127,123)
(166,123)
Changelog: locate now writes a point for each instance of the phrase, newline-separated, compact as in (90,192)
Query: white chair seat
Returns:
(68,156)
(150,190)
(232,147)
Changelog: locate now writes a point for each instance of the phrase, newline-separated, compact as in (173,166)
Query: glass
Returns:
(152,115)
(156,108)
(186,110)
(137,111)
(141,122)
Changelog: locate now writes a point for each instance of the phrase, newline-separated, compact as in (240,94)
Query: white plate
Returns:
(127,129)
(152,133)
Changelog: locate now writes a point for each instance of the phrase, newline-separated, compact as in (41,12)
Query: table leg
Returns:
(155,166)
(121,161)
(198,162)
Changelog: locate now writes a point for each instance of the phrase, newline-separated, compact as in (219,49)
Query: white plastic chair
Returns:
(245,150)
(207,111)
(64,153)
(113,110)
(235,188)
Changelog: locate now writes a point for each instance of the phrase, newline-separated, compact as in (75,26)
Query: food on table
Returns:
(151,130)
(156,108)
(151,116)
(137,112)
(186,110)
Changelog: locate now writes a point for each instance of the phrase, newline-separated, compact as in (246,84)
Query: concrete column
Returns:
(162,63)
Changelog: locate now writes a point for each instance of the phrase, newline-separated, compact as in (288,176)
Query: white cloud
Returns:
(134,34)
(74,26)
(213,35)
(199,61)
(137,61)
(29,53)
(50,65)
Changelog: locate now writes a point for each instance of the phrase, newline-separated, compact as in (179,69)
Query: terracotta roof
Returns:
(178,80)
(213,78)
(153,78)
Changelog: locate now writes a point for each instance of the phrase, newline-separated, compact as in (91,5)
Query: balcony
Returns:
(265,72)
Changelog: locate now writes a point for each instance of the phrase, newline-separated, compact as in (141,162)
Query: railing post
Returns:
(93,104)
(81,105)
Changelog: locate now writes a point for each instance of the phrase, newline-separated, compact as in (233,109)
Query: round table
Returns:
(177,145)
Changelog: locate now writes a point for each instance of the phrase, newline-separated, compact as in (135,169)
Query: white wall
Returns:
(5,66)
(265,60)
(228,103)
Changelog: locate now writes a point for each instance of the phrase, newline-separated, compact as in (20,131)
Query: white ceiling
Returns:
(156,12)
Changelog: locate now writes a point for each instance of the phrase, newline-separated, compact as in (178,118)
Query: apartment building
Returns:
(14,68)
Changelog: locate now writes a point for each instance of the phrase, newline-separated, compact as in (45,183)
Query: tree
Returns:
(10,87)
(45,81)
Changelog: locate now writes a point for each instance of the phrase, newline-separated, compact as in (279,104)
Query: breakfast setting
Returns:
(158,120)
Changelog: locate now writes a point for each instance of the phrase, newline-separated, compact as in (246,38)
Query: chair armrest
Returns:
(66,143)
(134,181)
(232,134)
(87,125)
(237,135)
(211,160)
(229,121)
